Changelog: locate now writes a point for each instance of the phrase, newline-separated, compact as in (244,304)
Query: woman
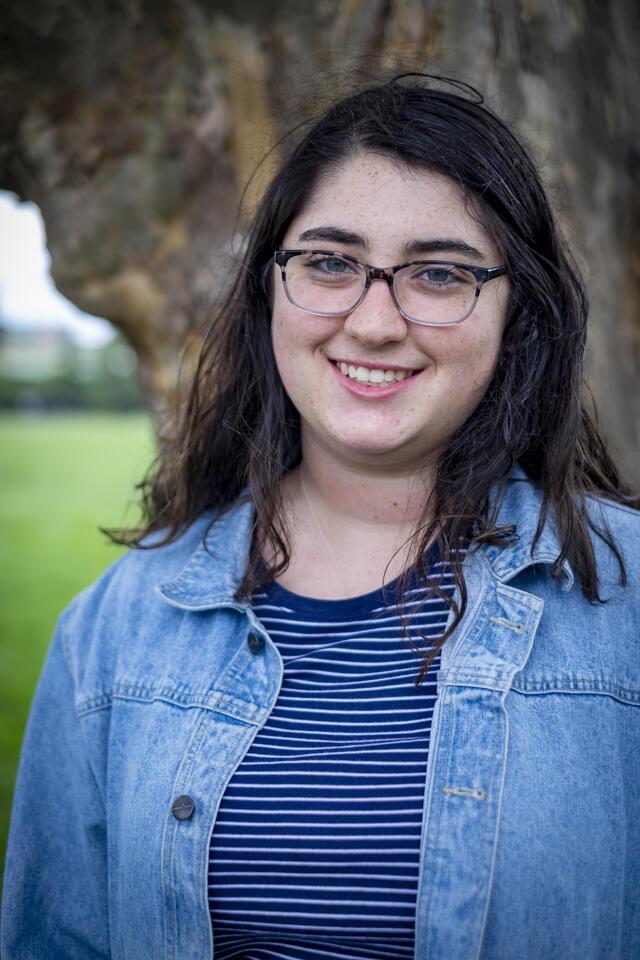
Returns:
(389,532)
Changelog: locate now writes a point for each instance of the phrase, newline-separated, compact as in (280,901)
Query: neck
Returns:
(350,522)
(353,493)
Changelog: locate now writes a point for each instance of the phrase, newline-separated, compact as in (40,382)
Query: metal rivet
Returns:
(477,793)
(516,627)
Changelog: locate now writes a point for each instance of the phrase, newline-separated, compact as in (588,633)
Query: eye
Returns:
(439,276)
(330,266)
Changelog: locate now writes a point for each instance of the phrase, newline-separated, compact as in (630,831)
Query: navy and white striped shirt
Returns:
(315,850)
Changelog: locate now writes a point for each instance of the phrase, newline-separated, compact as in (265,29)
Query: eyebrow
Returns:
(409,249)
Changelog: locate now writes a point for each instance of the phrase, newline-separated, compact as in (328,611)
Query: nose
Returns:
(377,319)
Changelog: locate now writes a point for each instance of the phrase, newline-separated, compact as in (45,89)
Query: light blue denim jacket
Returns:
(157,681)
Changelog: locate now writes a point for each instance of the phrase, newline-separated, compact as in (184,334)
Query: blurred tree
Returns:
(135,125)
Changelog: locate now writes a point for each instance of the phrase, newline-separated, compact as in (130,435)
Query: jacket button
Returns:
(182,807)
(256,642)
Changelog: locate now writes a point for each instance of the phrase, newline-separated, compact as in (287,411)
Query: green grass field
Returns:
(61,477)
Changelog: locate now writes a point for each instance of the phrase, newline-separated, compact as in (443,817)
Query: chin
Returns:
(371,446)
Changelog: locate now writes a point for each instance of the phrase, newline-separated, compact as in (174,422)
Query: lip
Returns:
(370,366)
(373,393)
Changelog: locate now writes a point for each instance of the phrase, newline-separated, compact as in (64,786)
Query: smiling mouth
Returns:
(376,376)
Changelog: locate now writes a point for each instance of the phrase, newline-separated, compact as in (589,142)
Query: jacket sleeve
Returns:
(55,886)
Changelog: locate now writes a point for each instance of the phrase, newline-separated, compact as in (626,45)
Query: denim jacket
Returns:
(157,681)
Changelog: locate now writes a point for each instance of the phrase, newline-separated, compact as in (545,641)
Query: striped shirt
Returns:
(315,849)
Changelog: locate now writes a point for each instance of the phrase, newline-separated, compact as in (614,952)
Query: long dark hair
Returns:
(239,428)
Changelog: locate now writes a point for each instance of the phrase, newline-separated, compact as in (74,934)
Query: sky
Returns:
(28,297)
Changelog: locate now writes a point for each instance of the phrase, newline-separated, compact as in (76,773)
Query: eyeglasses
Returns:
(435,293)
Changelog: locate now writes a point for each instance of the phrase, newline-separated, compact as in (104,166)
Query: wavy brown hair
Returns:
(239,429)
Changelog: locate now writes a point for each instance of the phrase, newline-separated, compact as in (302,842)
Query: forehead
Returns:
(388,203)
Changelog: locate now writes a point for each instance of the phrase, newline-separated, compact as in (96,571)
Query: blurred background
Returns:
(135,140)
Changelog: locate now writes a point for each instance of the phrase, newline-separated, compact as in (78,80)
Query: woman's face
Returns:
(387,208)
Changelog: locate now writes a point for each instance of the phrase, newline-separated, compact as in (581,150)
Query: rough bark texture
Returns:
(135,127)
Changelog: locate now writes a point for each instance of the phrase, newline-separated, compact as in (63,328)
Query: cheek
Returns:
(299,338)
(282,351)
(465,361)
(285,332)
(462,346)
(292,342)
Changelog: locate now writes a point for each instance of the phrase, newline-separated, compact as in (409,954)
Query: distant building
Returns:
(42,369)
(33,355)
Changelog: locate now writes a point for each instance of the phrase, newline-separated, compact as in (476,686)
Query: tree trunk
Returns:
(135,128)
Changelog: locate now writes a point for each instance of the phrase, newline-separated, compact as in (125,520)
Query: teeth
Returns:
(377,376)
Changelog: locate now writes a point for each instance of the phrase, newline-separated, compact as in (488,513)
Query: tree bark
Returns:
(136,126)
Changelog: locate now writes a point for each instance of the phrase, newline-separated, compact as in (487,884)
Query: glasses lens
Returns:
(435,292)
(324,282)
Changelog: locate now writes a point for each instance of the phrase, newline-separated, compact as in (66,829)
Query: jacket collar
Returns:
(520,502)
(215,569)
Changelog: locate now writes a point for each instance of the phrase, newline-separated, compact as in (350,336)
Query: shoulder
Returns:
(621,524)
(613,529)
(210,546)
(124,617)
(134,576)
(620,518)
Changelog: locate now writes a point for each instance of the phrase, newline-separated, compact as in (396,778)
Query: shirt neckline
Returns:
(345,607)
